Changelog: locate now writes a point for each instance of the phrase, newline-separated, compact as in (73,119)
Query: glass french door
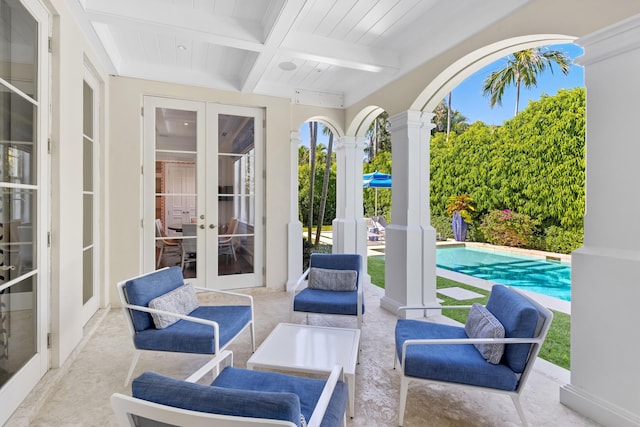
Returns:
(90,195)
(201,197)
(24,105)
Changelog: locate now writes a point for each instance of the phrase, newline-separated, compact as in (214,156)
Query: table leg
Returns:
(351,385)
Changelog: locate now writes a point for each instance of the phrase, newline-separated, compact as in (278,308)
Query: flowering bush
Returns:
(508,228)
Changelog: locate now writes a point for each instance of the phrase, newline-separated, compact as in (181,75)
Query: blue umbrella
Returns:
(376,180)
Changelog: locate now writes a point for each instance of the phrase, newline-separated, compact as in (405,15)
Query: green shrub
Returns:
(562,241)
(308,249)
(442,224)
(509,228)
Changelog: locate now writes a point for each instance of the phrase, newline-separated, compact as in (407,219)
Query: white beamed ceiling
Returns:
(348,48)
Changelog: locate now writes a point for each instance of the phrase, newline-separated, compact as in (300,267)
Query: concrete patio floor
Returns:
(78,393)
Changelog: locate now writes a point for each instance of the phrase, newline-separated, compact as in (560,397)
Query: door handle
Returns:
(211,226)
(202,226)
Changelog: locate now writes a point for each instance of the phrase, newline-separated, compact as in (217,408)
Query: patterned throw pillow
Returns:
(332,280)
(482,324)
(181,300)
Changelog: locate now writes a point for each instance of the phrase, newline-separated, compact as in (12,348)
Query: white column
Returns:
(294,227)
(349,226)
(605,282)
(410,252)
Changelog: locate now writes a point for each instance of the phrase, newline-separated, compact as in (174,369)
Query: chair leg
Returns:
(516,402)
(160,257)
(136,356)
(253,337)
(404,386)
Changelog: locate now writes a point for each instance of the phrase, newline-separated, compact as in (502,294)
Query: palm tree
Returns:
(325,184)
(313,134)
(523,67)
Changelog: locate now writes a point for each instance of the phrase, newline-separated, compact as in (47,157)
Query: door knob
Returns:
(201,216)
(211,226)
(202,226)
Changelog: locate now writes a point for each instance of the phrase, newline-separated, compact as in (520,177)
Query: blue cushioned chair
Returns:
(440,353)
(205,330)
(237,397)
(320,301)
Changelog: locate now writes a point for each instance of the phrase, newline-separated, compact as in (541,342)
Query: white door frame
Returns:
(206,156)
(25,379)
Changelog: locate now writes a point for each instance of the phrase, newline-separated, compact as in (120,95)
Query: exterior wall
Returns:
(70,50)
(605,289)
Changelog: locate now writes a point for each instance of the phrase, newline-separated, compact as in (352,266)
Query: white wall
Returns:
(69,52)
(605,290)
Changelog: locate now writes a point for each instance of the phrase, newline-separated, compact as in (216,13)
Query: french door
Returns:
(203,199)
(24,268)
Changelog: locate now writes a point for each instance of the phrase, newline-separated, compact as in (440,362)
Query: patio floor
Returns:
(78,393)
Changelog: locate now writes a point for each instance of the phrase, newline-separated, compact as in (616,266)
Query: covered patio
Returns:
(78,393)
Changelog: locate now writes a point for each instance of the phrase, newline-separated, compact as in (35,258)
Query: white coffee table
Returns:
(310,349)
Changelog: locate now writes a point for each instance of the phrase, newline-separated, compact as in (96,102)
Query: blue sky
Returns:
(467,97)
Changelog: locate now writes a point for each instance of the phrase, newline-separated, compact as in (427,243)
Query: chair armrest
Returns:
(213,324)
(300,281)
(235,294)
(432,307)
(325,397)
(212,364)
(440,341)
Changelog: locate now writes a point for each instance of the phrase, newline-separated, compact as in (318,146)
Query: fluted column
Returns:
(410,253)
(349,226)
(294,227)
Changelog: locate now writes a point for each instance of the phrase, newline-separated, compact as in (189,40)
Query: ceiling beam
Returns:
(341,54)
(280,29)
(145,15)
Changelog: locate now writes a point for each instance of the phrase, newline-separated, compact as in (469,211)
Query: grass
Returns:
(556,347)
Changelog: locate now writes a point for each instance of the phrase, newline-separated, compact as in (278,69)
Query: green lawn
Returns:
(556,348)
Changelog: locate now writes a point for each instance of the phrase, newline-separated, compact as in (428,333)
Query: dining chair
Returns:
(163,243)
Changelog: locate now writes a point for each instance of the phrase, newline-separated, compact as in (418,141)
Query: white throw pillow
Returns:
(482,324)
(332,280)
(181,300)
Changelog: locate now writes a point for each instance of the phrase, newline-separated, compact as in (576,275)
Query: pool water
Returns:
(533,274)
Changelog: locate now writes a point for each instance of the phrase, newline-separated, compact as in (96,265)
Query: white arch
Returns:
(327,122)
(453,75)
(360,123)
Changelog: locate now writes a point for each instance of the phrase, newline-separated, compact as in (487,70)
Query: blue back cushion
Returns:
(520,320)
(337,262)
(216,400)
(143,289)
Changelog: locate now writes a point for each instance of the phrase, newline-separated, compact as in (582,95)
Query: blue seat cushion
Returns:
(189,337)
(307,389)
(163,390)
(327,302)
(457,363)
(520,320)
(143,289)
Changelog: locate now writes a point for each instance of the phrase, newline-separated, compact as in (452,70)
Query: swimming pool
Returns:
(550,278)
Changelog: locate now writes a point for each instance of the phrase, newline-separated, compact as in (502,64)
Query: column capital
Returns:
(348,141)
(412,118)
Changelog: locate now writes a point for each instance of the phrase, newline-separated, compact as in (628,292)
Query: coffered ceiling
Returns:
(322,52)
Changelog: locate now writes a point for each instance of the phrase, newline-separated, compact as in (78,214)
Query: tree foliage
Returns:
(534,163)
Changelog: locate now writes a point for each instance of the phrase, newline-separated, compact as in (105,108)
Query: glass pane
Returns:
(236,182)
(17,327)
(17,238)
(87,168)
(176,199)
(87,275)
(87,106)
(18,47)
(87,220)
(189,250)
(17,156)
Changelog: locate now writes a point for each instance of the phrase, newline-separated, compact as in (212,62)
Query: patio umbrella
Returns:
(376,180)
